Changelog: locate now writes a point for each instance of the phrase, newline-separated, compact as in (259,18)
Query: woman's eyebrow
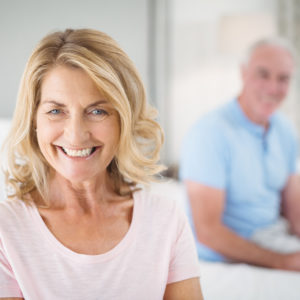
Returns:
(56,103)
(53,102)
(98,102)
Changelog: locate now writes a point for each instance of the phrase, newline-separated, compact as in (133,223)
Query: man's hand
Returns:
(289,262)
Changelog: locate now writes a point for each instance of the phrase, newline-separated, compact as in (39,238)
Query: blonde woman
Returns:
(76,225)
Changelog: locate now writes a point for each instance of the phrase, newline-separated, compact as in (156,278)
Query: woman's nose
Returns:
(76,130)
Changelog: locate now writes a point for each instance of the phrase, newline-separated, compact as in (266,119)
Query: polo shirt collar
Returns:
(242,119)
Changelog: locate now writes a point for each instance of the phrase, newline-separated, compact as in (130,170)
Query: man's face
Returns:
(266,78)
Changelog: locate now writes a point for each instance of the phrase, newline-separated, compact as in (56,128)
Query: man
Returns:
(239,166)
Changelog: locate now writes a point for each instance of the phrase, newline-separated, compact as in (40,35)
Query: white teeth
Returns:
(78,153)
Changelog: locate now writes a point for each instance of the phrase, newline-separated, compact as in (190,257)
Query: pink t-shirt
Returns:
(158,249)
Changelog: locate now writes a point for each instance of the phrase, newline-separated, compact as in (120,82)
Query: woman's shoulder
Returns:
(13,211)
(160,214)
(162,199)
(151,197)
(13,204)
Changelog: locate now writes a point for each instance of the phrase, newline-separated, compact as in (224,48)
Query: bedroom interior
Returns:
(188,54)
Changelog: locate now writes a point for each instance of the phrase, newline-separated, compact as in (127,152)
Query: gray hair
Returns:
(271,41)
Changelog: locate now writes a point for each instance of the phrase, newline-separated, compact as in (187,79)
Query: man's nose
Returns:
(76,130)
(272,87)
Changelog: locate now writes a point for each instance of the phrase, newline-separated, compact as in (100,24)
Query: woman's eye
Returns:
(54,112)
(99,112)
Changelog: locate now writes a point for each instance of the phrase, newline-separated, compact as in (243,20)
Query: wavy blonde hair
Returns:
(116,77)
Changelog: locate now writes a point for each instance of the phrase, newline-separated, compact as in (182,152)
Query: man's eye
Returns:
(264,75)
(284,79)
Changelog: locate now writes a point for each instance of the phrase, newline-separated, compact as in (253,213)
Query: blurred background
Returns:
(187,51)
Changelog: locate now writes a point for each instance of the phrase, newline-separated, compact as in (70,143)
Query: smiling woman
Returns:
(78,223)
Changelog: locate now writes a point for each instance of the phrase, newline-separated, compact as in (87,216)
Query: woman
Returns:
(77,226)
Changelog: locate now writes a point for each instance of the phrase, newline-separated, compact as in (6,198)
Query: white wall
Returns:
(205,65)
(24,23)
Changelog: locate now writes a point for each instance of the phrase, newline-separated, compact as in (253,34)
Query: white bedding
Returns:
(237,281)
(244,282)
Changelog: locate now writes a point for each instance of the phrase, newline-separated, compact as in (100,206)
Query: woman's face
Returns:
(77,128)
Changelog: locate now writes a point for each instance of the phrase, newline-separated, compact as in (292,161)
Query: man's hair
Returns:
(117,79)
(271,41)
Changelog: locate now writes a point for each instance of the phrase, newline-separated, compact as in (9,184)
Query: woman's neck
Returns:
(81,196)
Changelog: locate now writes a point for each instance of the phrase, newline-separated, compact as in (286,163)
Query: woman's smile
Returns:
(79,153)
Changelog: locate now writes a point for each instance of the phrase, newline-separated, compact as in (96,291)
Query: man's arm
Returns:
(291,203)
(184,290)
(207,206)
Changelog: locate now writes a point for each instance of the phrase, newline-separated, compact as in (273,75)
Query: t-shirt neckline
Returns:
(87,258)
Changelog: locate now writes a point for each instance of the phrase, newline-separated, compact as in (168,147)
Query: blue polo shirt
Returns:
(227,151)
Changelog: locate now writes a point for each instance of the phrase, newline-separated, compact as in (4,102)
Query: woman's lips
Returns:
(79,154)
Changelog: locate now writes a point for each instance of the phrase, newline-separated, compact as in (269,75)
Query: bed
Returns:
(237,281)
(220,280)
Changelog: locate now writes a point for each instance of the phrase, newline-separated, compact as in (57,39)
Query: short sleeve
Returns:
(8,284)
(289,141)
(204,156)
(294,152)
(184,262)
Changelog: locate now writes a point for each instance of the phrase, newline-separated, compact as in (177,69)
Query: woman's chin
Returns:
(76,177)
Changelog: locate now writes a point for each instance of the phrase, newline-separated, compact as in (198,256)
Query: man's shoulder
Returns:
(284,126)
(215,122)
